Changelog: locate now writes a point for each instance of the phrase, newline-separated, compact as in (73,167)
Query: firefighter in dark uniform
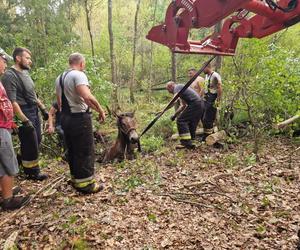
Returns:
(189,114)
(75,100)
(20,90)
(212,95)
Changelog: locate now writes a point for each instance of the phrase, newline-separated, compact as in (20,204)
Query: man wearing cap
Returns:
(8,161)
(20,89)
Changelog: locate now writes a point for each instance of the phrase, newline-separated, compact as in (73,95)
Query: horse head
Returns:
(127,126)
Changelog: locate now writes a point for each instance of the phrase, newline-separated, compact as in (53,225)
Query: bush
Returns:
(152,144)
(164,128)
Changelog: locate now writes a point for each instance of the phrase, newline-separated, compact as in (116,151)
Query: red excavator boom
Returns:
(182,15)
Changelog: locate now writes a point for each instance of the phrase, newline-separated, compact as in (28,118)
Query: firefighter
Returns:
(188,114)
(75,99)
(8,161)
(212,96)
(20,90)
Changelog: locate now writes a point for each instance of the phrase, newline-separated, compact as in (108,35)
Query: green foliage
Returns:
(152,143)
(164,128)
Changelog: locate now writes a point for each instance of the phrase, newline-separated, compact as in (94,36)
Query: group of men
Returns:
(73,122)
(197,103)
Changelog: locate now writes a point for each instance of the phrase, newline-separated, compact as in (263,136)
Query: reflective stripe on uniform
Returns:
(30,164)
(81,183)
(185,136)
(208,131)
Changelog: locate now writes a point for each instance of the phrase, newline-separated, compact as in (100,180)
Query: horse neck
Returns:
(123,139)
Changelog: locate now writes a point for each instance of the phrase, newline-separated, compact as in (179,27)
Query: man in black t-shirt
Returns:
(189,113)
(20,90)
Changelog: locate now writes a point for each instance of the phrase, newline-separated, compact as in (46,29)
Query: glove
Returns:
(173,118)
(45,114)
(28,126)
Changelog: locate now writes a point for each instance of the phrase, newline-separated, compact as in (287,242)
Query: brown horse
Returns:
(127,139)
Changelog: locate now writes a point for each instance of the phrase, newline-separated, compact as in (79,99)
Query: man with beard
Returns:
(8,162)
(20,90)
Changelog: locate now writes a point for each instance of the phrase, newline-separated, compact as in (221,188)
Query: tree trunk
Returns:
(174,67)
(112,58)
(135,38)
(151,49)
(218,61)
(88,22)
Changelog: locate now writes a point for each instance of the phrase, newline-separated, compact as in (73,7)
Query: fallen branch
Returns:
(287,122)
(51,185)
(188,201)
(202,194)
(209,181)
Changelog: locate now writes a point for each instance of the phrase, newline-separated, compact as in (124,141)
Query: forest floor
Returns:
(202,199)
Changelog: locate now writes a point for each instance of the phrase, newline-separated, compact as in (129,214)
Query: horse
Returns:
(127,140)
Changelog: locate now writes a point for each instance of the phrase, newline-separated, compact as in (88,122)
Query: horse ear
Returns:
(115,114)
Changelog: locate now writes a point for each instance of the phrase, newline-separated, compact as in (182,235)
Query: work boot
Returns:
(188,144)
(15,202)
(37,177)
(91,188)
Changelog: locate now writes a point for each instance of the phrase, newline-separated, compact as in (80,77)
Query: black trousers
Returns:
(30,140)
(188,120)
(209,117)
(78,134)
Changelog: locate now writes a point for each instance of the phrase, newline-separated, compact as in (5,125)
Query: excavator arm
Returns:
(245,19)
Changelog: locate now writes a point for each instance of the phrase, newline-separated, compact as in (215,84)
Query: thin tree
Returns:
(174,66)
(135,38)
(218,61)
(151,51)
(112,58)
(87,8)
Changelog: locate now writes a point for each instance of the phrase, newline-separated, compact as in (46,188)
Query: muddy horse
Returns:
(127,139)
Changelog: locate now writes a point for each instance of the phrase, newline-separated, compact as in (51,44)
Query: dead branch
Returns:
(209,181)
(50,184)
(287,122)
(202,194)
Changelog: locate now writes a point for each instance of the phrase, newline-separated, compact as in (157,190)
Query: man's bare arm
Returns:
(40,104)
(90,100)
(52,113)
(18,112)
(182,107)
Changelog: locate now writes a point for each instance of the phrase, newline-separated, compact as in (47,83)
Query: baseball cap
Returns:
(4,55)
